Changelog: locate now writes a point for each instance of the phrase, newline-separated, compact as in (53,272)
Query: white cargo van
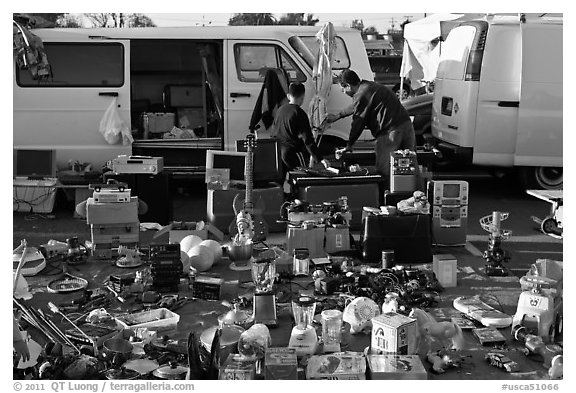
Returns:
(498,96)
(219,70)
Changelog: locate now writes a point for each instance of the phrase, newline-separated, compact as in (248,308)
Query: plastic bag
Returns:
(113,128)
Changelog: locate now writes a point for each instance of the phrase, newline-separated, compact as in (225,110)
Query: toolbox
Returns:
(111,213)
(115,234)
(408,235)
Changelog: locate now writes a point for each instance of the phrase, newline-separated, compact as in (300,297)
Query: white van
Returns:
(220,68)
(498,96)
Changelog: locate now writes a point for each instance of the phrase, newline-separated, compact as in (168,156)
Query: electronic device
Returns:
(267,160)
(165,265)
(235,161)
(138,164)
(112,196)
(207,287)
(303,337)
(264,304)
(449,208)
(34,163)
(403,171)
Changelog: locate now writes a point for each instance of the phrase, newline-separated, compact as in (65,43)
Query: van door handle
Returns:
(509,104)
(236,95)
(108,93)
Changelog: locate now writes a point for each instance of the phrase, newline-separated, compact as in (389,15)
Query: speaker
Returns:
(155,191)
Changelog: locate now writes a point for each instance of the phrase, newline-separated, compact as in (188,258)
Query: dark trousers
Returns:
(399,138)
(292,158)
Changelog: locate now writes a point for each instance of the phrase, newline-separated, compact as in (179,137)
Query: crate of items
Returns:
(34,196)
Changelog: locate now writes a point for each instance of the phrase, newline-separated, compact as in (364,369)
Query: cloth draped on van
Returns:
(271,97)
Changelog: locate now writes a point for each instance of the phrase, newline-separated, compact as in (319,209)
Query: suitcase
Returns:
(359,195)
(115,234)
(409,237)
(220,212)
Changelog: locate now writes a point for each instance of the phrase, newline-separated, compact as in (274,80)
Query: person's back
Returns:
(288,124)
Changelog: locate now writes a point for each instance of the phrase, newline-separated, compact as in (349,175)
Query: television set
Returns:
(267,160)
(235,161)
(34,163)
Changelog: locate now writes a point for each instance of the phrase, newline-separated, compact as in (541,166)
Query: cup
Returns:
(331,330)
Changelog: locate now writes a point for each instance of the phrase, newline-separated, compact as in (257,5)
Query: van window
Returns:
(252,61)
(340,58)
(454,53)
(80,65)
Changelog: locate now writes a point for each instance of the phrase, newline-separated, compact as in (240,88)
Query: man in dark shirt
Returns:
(292,130)
(375,107)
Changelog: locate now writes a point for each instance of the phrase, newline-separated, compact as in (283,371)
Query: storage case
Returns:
(115,234)
(111,213)
(393,333)
(359,195)
(160,122)
(401,367)
(408,236)
(34,196)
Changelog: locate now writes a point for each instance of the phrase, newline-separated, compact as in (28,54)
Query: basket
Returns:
(160,319)
(34,196)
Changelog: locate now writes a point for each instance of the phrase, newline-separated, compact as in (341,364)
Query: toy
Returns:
(446,333)
(540,306)
(441,361)
(128,257)
(476,309)
(501,361)
(551,354)
(494,256)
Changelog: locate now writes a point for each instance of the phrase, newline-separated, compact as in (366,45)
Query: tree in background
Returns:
(99,20)
(298,20)
(248,19)
(370,31)
(357,24)
(140,20)
(120,20)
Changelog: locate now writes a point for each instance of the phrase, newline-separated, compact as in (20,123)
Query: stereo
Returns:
(112,196)
(449,208)
(165,265)
(449,192)
(403,171)
(138,164)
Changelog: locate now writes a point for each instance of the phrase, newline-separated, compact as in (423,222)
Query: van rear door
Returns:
(64,111)
(540,140)
(456,90)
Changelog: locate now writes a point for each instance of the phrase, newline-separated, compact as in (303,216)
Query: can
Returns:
(388,259)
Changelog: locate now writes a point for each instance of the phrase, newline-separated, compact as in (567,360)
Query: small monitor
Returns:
(34,163)
(267,161)
(235,161)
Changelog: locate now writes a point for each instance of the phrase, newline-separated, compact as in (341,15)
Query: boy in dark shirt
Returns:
(293,133)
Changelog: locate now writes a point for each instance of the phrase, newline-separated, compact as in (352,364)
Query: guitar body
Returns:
(246,206)
(259,224)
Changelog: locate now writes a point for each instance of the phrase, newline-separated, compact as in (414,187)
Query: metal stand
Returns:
(494,255)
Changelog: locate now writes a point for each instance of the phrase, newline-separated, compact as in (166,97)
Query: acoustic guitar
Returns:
(245,204)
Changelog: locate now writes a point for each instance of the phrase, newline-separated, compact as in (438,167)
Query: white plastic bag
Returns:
(113,128)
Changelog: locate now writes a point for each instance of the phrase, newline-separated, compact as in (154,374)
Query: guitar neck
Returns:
(248,205)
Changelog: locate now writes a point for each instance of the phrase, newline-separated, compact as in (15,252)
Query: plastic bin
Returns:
(34,196)
(159,320)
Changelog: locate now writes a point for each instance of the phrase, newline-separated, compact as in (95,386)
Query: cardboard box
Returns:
(396,367)
(393,333)
(337,239)
(237,367)
(281,363)
(341,365)
(111,213)
(300,237)
(445,268)
(178,230)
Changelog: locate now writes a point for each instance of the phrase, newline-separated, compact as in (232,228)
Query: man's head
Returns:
(296,92)
(350,82)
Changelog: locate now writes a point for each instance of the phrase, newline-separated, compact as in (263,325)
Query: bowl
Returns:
(117,346)
(239,253)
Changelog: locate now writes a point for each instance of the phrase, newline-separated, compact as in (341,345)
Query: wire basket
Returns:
(66,284)
(487,223)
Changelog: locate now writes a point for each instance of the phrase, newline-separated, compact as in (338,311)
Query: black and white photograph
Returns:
(348,195)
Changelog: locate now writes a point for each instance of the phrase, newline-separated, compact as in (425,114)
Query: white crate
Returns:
(160,319)
(34,196)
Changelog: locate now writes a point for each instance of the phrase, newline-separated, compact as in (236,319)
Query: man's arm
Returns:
(306,135)
(360,113)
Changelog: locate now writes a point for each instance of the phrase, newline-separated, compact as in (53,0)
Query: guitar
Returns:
(246,211)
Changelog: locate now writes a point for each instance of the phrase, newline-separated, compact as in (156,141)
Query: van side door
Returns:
(64,111)
(246,67)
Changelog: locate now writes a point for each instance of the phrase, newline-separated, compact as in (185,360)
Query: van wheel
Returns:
(546,178)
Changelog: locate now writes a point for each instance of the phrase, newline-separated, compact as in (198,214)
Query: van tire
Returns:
(545,178)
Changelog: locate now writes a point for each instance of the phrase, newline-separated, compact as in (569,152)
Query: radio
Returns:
(403,171)
(164,251)
(138,164)
(207,287)
(111,196)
